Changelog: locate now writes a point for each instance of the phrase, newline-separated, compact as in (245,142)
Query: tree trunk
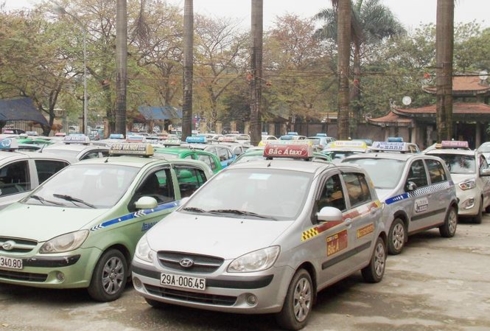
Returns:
(444,64)
(257,30)
(188,68)
(121,65)
(344,38)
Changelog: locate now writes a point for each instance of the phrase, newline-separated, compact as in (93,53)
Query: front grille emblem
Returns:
(186,262)
(8,245)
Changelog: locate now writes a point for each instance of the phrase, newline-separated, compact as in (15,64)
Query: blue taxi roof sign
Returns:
(389,146)
(292,133)
(196,140)
(295,151)
(8,144)
(116,136)
(135,139)
(140,149)
(395,139)
(76,139)
(454,144)
(319,134)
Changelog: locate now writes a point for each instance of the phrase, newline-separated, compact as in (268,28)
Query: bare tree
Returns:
(257,30)
(444,64)
(188,68)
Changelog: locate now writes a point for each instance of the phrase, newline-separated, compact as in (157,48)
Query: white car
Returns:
(265,237)
(470,172)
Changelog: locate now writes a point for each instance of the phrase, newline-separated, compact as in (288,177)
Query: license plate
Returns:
(183,281)
(10,263)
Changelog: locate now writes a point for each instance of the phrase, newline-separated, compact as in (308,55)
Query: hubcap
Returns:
(302,299)
(113,275)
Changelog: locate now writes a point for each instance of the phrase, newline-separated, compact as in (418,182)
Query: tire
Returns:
(479,217)
(298,302)
(396,237)
(110,277)
(375,270)
(448,229)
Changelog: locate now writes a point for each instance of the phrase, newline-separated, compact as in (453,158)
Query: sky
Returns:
(410,12)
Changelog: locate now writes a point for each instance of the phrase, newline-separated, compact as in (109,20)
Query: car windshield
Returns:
(85,186)
(276,195)
(378,170)
(459,164)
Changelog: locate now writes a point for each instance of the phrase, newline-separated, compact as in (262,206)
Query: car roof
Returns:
(24,155)
(393,156)
(450,151)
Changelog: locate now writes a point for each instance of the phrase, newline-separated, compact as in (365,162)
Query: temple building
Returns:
(471,115)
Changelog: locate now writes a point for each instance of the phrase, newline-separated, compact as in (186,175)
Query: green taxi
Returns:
(79,229)
(211,159)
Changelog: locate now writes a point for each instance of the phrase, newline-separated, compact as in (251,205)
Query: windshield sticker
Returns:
(421,205)
(337,242)
(260,176)
(137,214)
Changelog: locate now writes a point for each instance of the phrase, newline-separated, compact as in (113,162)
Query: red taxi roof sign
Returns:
(295,151)
(454,144)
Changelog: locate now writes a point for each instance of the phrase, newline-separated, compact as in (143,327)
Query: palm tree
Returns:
(256,70)
(444,64)
(371,22)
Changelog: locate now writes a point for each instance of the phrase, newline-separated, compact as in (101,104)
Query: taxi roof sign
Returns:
(357,144)
(135,139)
(141,149)
(296,151)
(392,146)
(196,140)
(171,142)
(116,136)
(454,144)
(8,144)
(76,139)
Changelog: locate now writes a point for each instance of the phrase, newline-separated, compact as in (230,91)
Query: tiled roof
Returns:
(464,85)
(391,118)
(458,108)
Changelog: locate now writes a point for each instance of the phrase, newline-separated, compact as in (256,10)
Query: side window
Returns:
(157,185)
(14,178)
(436,171)
(90,155)
(483,163)
(332,194)
(417,174)
(189,179)
(357,188)
(208,160)
(47,168)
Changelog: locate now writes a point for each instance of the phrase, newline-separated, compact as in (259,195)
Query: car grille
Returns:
(209,299)
(23,276)
(201,263)
(18,245)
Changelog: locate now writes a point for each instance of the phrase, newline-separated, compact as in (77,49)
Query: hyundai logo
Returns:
(186,262)
(8,245)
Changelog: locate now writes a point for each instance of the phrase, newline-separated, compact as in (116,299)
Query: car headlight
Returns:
(255,261)
(467,184)
(64,243)
(143,250)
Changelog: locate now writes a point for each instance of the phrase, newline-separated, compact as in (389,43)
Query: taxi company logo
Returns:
(8,245)
(186,263)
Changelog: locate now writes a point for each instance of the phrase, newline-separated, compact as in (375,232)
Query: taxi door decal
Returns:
(337,242)
(137,214)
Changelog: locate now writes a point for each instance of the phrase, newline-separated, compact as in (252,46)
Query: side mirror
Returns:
(146,203)
(485,172)
(329,214)
(410,186)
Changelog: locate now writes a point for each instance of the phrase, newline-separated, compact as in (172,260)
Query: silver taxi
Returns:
(417,189)
(21,172)
(264,237)
(469,170)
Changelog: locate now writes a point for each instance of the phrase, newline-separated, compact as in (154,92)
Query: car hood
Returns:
(211,235)
(42,223)
(384,194)
(458,178)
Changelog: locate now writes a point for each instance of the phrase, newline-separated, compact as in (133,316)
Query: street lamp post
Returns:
(62,10)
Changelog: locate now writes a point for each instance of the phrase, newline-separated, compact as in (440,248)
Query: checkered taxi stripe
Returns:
(420,192)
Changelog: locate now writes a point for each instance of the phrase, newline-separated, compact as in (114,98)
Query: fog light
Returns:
(137,282)
(60,276)
(251,299)
(470,203)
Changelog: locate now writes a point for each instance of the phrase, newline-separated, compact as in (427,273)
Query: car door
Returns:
(416,184)
(483,182)
(438,194)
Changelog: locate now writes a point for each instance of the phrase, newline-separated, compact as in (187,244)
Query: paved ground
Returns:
(435,284)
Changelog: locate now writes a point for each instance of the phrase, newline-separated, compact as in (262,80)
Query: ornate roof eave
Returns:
(391,119)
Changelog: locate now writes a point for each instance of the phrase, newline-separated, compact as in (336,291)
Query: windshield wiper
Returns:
(240,212)
(72,199)
(197,210)
(43,201)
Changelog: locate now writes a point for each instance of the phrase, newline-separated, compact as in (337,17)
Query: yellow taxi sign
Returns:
(143,149)
(358,144)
